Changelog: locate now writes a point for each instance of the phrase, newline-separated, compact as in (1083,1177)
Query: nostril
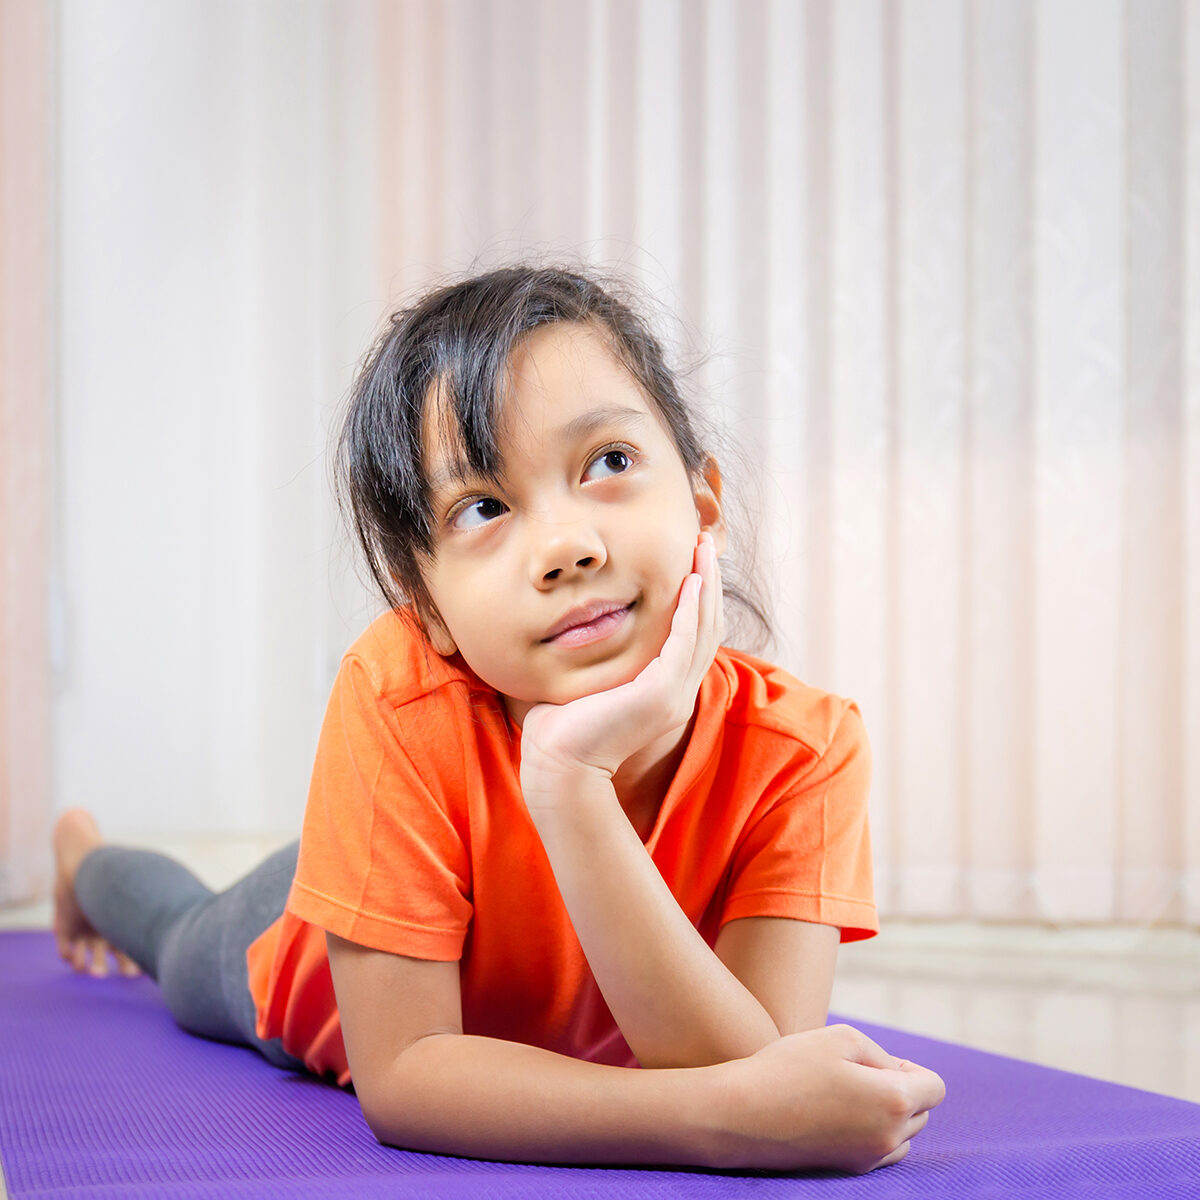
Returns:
(585,562)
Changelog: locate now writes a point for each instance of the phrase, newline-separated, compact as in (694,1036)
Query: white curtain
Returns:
(948,259)
(215,197)
(26,323)
(943,262)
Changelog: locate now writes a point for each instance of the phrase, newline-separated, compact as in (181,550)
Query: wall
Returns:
(215,214)
(940,261)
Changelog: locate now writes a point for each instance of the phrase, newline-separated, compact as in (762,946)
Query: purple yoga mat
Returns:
(101,1094)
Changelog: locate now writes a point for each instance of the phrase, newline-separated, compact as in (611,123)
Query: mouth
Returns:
(588,623)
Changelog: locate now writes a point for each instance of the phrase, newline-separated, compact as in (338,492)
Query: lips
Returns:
(585,615)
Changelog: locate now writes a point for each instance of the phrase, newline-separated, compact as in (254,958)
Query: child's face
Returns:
(595,508)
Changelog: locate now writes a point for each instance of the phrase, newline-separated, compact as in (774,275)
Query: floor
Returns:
(1117,1004)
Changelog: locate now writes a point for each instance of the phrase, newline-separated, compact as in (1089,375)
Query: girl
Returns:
(554,831)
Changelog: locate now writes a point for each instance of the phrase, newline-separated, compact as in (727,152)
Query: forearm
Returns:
(486,1098)
(674,1000)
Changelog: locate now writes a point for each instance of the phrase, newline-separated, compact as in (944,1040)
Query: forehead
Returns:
(562,382)
(566,362)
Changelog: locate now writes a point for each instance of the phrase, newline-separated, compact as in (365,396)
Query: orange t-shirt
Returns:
(417,841)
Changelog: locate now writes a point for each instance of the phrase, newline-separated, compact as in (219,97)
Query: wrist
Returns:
(711,1113)
(548,781)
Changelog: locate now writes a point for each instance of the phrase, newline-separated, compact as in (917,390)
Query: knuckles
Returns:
(846,1038)
(896,1102)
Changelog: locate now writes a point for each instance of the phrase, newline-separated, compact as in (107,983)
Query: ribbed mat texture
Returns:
(102,1095)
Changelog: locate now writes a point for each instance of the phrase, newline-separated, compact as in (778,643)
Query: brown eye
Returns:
(611,462)
(478,512)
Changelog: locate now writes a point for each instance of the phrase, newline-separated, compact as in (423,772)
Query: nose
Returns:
(565,550)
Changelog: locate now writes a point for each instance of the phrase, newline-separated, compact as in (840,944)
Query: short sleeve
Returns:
(808,855)
(383,854)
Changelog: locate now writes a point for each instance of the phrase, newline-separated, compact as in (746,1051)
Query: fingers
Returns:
(714,622)
(696,624)
(679,649)
(895,1156)
(910,1131)
(915,1124)
(706,618)
(928,1089)
(861,1049)
(709,626)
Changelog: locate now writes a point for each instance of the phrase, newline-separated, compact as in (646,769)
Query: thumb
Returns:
(862,1050)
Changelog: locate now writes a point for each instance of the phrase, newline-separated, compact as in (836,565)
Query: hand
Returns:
(827,1099)
(599,732)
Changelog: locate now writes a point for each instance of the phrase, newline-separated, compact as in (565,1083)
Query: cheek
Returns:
(479,606)
(668,542)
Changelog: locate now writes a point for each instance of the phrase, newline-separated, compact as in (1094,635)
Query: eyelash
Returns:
(613,447)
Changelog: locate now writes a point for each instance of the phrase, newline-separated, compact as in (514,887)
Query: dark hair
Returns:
(459,339)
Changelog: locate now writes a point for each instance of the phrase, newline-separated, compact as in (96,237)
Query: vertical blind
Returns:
(935,264)
(941,264)
(26,324)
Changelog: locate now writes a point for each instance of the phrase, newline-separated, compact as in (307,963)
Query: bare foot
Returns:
(75,836)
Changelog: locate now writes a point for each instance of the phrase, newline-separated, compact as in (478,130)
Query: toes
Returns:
(89,956)
(127,966)
(99,949)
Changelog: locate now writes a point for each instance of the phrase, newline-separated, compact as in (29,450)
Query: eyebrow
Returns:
(594,418)
(448,475)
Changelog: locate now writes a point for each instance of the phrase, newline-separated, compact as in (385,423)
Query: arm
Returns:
(830,1098)
(788,964)
(677,1002)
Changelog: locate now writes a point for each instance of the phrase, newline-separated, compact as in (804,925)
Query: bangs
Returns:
(468,384)
(462,415)
(464,404)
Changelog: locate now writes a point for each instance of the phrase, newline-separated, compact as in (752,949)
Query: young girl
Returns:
(555,831)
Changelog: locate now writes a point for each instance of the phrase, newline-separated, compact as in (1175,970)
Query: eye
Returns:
(613,461)
(477,513)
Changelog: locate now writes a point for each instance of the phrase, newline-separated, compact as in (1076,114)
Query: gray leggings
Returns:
(189,939)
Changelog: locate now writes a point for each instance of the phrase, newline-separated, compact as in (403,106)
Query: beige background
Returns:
(941,258)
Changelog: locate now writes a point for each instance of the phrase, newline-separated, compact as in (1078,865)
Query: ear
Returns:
(706,491)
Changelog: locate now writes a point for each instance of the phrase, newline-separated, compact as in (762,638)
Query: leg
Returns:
(191,940)
(133,899)
(202,958)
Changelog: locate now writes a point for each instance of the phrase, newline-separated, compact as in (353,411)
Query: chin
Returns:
(603,678)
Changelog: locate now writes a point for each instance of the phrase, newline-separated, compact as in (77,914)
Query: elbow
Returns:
(384,1119)
(382,1113)
(394,1100)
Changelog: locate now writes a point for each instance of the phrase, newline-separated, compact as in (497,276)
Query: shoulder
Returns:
(797,721)
(767,697)
(395,659)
